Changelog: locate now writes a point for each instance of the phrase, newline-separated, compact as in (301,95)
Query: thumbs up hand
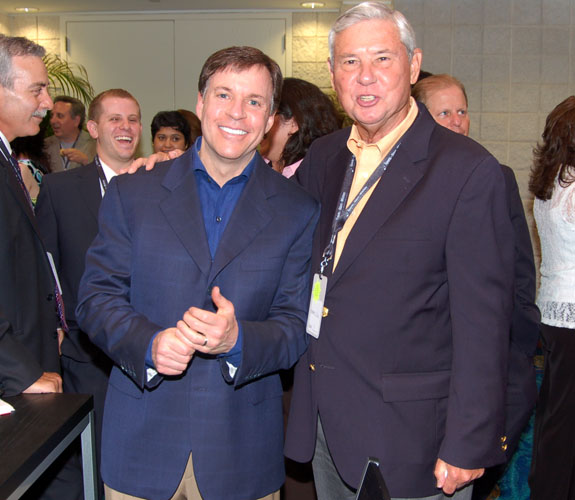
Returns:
(209,332)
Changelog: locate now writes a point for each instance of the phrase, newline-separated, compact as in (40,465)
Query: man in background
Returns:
(67,213)
(70,146)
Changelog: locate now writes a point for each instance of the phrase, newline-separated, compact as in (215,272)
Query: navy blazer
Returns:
(149,263)
(28,316)
(411,361)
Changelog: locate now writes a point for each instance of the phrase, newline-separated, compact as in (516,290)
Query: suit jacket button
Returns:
(504,447)
(50,297)
(503,439)
(325,312)
(312,367)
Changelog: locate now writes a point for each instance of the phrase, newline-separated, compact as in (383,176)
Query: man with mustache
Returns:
(29,359)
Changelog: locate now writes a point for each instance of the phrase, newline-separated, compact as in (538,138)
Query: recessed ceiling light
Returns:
(27,9)
(312,5)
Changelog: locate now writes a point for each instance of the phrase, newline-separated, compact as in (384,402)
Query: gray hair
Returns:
(368,11)
(13,46)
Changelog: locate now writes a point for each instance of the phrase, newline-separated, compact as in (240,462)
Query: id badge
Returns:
(316,301)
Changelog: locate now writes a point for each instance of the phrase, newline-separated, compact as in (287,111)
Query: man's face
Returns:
(117,131)
(449,109)
(24,105)
(372,76)
(64,126)
(235,115)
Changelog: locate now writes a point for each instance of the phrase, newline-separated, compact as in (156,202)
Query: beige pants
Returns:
(187,490)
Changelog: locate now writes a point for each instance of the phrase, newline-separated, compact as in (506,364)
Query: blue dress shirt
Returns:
(218,205)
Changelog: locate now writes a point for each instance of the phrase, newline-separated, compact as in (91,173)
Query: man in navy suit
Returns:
(197,287)
(409,363)
(67,213)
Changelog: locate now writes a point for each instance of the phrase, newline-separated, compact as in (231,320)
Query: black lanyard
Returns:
(67,162)
(342,213)
(101,174)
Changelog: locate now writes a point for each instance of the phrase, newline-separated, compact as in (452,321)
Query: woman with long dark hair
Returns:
(304,114)
(552,183)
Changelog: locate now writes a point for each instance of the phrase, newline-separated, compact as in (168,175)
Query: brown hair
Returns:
(240,59)
(312,110)
(430,84)
(76,107)
(555,155)
(194,122)
(95,109)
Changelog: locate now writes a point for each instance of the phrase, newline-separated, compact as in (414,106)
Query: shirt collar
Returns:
(6,143)
(108,171)
(356,143)
(199,166)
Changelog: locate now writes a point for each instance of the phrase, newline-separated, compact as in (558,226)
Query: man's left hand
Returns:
(211,333)
(450,478)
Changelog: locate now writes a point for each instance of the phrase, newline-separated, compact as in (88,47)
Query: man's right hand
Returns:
(151,161)
(171,352)
(48,382)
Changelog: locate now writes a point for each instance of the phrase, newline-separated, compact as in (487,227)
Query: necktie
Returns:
(16,170)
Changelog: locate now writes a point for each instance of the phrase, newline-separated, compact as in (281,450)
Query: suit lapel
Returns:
(17,191)
(252,213)
(399,180)
(183,210)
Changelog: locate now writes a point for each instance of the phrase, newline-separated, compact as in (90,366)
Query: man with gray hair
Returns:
(70,146)
(29,360)
(413,290)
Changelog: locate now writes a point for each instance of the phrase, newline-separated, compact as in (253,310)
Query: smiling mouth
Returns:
(233,131)
(124,138)
(367,98)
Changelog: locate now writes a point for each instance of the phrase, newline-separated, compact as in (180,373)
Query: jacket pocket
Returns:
(415,386)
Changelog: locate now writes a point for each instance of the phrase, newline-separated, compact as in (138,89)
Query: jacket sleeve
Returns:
(479,257)
(104,309)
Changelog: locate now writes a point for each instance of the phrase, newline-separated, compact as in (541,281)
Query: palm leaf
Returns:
(70,77)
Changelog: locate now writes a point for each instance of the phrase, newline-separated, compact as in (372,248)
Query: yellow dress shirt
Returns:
(368,157)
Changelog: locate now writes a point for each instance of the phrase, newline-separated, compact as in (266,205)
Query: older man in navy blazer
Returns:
(410,364)
(197,288)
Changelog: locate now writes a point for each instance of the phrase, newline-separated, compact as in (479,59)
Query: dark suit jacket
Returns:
(67,213)
(411,361)
(28,316)
(149,263)
(521,385)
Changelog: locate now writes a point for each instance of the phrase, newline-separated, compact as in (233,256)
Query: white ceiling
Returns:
(83,6)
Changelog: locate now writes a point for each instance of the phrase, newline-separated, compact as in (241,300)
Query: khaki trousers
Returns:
(187,489)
